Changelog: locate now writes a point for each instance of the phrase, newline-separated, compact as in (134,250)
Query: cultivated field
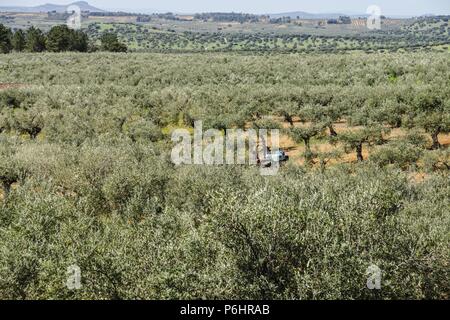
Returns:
(185,34)
(87,179)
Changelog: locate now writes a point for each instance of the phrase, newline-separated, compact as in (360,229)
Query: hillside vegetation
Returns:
(87,179)
(222,32)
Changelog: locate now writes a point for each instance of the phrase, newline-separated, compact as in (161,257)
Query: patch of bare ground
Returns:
(444,139)
(2,192)
(296,151)
(5,86)
(418,177)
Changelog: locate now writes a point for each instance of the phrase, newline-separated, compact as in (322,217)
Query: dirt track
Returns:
(4,86)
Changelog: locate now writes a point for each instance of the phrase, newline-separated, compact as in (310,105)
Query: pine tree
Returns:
(111,43)
(35,40)
(79,41)
(18,41)
(5,39)
(58,39)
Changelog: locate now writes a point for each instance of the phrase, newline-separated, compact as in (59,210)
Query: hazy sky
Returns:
(389,7)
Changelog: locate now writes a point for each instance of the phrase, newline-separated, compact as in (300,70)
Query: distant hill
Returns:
(84,6)
(307,15)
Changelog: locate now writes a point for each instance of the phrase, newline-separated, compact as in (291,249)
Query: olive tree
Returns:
(326,115)
(355,140)
(304,135)
(288,111)
(432,114)
(434,124)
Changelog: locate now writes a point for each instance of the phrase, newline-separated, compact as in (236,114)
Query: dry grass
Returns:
(186,17)
(119,19)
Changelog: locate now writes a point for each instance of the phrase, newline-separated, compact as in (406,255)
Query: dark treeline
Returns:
(341,20)
(59,39)
(281,20)
(166,16)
